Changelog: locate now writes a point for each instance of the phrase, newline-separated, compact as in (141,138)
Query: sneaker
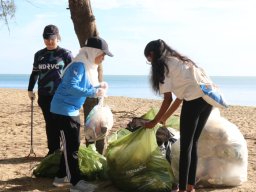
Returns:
(82,186)
(60,182)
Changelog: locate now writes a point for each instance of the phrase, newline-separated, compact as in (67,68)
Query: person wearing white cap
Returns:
(75,86)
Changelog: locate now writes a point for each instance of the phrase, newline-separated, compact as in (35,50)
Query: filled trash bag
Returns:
(222,154)
(49,166)
(92,165)
(98,122)
(173,121)
(118,134)
(135,163)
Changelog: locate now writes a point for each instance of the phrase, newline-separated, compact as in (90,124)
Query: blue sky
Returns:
(219,35)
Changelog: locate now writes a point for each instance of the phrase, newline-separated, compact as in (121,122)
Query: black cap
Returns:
(51,32)
(98,43)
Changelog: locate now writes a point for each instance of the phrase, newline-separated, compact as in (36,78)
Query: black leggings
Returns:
(194,115)
(53,134)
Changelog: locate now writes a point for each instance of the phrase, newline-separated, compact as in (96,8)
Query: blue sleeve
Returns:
(77,82)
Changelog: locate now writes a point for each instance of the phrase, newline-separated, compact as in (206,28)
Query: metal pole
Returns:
(31,135)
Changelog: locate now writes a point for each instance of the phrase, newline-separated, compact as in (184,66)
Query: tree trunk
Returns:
(83,20)
(84,24)
(85,27)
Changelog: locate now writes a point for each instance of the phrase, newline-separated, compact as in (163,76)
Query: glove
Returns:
(31,95)
(101,92)
(104,85)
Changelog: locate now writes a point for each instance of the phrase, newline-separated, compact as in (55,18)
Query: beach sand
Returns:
(15,133)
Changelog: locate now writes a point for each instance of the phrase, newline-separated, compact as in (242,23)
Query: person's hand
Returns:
(104,85)
(150,124)
(163,121)
(101,92)
(31,95)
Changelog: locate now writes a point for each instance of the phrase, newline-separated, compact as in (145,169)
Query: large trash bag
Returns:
(118,134)
(49,166)
(92,165)
(173,121)
(138,122)
(135,163)
(222,154)
(98,122)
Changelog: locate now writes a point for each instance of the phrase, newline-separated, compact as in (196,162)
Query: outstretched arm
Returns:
(164,107)
(171,110)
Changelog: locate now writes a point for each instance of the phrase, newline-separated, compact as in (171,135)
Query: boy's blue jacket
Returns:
(72,91)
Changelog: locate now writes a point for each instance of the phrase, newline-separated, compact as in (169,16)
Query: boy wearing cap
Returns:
(47,68)
(77,84)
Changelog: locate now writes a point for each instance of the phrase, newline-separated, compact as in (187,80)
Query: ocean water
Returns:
(237,90)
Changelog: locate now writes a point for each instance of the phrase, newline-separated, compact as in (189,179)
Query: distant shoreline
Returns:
(237,90)
(122,97)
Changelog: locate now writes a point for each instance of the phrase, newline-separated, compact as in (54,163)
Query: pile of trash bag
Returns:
(222,154)
(135,163)
(147,160)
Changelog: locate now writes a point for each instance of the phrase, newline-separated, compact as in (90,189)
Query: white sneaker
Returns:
(60,182)
(82,186)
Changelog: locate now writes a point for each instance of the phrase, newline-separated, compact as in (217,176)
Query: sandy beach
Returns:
(15,122)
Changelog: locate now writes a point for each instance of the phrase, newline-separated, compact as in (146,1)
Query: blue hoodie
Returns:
(72,91)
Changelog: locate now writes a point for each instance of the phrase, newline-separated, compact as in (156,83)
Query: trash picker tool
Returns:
(31,135)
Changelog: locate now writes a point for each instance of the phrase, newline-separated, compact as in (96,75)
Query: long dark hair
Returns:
(158,50)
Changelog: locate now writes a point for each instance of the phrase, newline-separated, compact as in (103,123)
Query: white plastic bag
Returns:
(222,154)
(98,123)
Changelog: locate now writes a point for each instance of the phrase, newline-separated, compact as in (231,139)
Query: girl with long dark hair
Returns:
(172,73)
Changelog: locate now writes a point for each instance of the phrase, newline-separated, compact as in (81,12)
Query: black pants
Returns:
(69,128)
(53,135)
(194,115)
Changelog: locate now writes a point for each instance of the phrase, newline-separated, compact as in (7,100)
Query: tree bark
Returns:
(84,24)
(85,27)
(83,20)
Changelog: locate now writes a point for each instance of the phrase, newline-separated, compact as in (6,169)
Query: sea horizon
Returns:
(237,90)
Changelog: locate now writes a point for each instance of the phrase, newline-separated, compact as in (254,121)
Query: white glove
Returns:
(31,95)
(104,85)
(101,92)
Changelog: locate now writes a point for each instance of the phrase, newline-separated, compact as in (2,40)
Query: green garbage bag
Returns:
(150,114)
(49,166)
(92,165)
(135,163)
(118,134)
(173,121)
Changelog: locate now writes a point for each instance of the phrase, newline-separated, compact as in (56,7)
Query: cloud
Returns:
(49,2)
(215,33)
